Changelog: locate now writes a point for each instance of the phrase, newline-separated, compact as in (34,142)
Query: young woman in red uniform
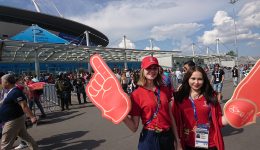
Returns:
(150,103)
(198,113)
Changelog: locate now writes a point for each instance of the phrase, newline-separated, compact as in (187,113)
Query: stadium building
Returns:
(25,55)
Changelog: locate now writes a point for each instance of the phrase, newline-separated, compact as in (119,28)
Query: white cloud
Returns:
(252,44)
(154,48)
(126,44)
(136,18)
(250,14)
(175,31)
(224,27)
(174,24)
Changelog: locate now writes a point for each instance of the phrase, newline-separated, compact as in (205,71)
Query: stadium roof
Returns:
(17,51)
(54,23)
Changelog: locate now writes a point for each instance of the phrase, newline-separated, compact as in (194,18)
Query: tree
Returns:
(231,53)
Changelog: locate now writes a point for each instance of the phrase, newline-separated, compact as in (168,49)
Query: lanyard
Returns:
(217,73)
(157,108)
(195,112)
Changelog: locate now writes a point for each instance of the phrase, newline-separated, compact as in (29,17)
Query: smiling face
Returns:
(196,81)
(151,72)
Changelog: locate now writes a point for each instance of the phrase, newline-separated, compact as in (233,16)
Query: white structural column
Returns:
(193,52)
(125,60)
(217,48)
(36,57)
(37,66)
(151,46)
(87,43)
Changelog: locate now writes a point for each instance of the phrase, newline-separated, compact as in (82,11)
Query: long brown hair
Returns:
(158,81)
(206,89)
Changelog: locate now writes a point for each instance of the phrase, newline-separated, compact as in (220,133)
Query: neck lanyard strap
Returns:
(157,108)
(194,109)
(195,112)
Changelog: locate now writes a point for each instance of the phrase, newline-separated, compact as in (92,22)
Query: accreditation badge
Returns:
(217,79)
(202,136)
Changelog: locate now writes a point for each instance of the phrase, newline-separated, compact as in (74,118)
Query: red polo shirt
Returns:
(144,104)
(189,121)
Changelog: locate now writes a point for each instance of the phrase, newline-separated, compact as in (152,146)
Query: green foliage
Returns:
(231,53)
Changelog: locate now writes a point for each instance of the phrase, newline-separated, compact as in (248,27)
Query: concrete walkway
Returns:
(83,128)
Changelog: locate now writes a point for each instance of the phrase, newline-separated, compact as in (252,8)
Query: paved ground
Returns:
(83,128)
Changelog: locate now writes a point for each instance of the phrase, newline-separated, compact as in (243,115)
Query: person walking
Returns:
(217,80)
(12,112)
(33,96)
(235,76)
(79,83)
(198,113)
(132,85)
(150,103)
(124,82)
(21,86)
(187,65)
(64,88)
(179,76)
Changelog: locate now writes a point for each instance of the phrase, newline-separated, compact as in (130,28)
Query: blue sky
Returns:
(172,24)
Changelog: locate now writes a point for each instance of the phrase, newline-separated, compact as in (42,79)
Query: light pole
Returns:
(217,48)
(151,46)
(235,28)
(193,52)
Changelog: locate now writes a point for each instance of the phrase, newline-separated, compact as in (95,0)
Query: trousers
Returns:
(15,128)
(151,140)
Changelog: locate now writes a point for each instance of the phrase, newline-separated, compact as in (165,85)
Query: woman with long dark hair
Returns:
(198,113)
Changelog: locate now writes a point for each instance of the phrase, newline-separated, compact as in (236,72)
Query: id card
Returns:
(202,136)
(217,79)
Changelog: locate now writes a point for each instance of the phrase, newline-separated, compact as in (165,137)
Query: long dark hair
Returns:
(206,89)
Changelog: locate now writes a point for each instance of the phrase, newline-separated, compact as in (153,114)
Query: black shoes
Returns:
(43,116)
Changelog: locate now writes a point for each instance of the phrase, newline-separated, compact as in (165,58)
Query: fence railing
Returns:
(49,98)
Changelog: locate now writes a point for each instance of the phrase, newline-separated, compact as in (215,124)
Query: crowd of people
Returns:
(178,109)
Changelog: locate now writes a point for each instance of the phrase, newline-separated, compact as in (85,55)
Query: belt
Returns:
(157,130)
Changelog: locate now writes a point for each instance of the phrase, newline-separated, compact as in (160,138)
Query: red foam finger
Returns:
(245,100)
(248,87)
(99,79)
(95,85)
(240,112)
(111,83)
(92,92)
(100,66)
(110,98)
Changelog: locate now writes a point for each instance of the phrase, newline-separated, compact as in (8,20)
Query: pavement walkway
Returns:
(83,128)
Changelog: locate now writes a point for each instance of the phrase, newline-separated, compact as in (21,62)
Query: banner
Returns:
(37,34)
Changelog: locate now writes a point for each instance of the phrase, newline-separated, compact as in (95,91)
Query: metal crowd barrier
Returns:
(49,99)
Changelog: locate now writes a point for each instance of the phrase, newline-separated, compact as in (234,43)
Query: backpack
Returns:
(65,85)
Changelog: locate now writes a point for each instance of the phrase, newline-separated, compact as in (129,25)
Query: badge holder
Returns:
(202,136)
